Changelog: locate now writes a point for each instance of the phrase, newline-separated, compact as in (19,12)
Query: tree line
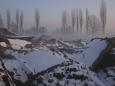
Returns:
(77,21)
(17,25)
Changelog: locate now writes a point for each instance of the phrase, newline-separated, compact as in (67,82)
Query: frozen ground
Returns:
(107,76)
(39,59)
(90,52)
(48,65)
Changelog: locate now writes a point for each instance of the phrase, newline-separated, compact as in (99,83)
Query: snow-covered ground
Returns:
(17,68)
(18,44)
(3,44)
(71,71)
(74,74)
(90,52)
(107,76)
(40,59)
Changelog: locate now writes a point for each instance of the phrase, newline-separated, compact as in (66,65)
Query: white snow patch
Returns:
(3,44)
(18,44)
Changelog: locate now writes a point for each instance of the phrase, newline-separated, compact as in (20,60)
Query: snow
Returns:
(87,77)
(38,60)
(96,79)
(66,44)
(15,66)
(107,76)
(3,44)
(18,44)
(42,58)
(91,52)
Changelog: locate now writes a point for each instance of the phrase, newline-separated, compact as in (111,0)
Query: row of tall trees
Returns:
(91,22)
(16,25)
(76,23)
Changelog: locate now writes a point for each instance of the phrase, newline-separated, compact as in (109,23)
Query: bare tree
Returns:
(73,19)
(1,21)
(80,19)
(21,21)
(37,19)
(13,27)
(8,18)
(103,12)
(87,20)
(17,20)
(64,21)
(77,19)
(94,24)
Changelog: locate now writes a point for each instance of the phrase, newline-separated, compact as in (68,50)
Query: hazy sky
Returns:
(51,10)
